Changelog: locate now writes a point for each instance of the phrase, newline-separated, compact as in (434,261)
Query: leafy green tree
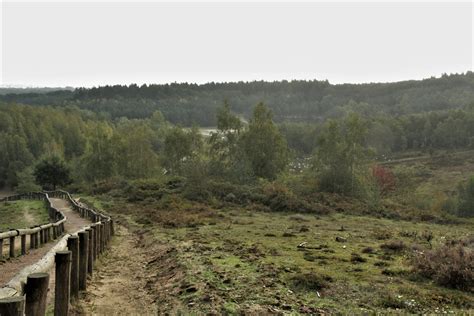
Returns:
(136,158)
(27,182)
(263,145)
(466,198)
(341,154)
(52,172)
(224,143)
(180,148)
(99,161)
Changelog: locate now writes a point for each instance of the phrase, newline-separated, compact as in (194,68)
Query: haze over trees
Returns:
(129,132)
(380,173)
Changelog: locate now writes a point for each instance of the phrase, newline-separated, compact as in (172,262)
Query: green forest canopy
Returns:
(290,101)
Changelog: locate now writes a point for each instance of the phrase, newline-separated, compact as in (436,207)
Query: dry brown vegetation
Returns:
(450,265)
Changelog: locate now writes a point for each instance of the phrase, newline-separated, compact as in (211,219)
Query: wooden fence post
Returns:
(94,245)
(102,237)
(90,257)
(23,245)
(37,241)
(32,241)
(13,306)
(62,283)
(12,246)
(73,246)
(83,254)
(36,289)
(112,229)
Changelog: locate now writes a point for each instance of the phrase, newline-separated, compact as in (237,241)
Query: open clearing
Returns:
(254,262)
(22,214)
(230,259)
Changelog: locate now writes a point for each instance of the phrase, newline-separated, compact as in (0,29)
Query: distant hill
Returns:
(16,90)
(297,101)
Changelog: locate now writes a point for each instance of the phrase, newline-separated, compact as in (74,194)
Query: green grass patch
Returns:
(22,214)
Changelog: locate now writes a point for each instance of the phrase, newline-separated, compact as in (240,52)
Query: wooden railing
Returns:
(40,234)
(73,258)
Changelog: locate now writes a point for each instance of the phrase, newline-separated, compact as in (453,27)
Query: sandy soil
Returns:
(118,285)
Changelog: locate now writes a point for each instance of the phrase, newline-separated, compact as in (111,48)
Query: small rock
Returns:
(341,239)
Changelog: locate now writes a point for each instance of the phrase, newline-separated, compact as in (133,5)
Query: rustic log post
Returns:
(23,245)
(63,283)
(83,259)
(12,246)
(41,236)
(73,246)
(97,246)
(36,289)
(102,237)
(94,243)
(106,234)
(90,257)
(112,229)
(32,241)
(13,306)
(55,232)
(1,248)
(37,240)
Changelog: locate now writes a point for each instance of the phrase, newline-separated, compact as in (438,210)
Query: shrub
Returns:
(356,258)
(385,179)
(310,282)
(393,246)
(452,266)
(466,198)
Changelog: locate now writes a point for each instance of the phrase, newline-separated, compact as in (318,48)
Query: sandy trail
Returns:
(118,284)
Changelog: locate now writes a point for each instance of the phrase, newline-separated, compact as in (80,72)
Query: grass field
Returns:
(22,214)
(231,259)
(247,261)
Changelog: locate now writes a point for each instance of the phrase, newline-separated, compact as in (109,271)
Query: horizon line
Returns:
(203,83)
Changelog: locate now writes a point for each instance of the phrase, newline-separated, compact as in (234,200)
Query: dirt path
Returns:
(118,284)
(12,266)
(29,219)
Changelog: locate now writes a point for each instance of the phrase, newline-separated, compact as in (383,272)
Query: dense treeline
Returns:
(295,101)
(427,131)
(12,90)
(117,133)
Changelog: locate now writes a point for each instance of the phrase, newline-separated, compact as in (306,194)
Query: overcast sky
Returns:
(85,43)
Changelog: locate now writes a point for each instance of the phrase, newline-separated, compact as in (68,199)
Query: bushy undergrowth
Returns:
(451,265)
(310,282)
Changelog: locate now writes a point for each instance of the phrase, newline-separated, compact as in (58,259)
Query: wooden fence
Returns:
(73,258)
(39,234)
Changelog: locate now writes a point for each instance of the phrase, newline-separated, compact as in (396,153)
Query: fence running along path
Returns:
(39,234)
(73,258)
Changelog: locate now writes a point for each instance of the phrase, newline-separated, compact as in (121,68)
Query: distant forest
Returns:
(290,101)
(304,134)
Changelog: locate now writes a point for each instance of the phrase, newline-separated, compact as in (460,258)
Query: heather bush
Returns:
(451,265)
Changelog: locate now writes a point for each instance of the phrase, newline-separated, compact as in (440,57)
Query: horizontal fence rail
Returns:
(38,235)
(73,258)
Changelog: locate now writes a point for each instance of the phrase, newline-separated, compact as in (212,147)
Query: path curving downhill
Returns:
(118,286)
(14,265)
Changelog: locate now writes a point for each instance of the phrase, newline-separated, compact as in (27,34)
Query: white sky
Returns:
(84,43)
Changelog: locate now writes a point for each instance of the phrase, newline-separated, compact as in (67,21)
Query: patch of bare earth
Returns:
(119,283)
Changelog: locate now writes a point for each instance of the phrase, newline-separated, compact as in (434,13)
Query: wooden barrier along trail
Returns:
(63,268)
(73,223)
